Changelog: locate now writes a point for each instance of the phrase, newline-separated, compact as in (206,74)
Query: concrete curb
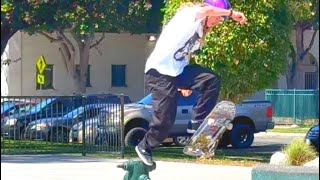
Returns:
(271,172)
(273,134)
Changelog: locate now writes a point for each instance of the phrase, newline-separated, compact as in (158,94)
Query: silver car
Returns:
(107,127)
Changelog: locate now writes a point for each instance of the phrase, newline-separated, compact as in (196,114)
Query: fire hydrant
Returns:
(137,170)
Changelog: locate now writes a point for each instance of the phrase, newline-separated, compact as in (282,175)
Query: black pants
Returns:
(164,91)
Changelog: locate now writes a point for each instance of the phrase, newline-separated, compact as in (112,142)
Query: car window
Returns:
(92,112)
(41,105)
(147,100)
(55,108)
(6,106)
(182,101)
(187,101)
(19,109)
(74,112)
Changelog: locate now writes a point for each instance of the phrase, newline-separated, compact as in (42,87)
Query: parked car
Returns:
(14,126)
(14,106)
(251,117)
(57,128)
(96,130)
(312,137)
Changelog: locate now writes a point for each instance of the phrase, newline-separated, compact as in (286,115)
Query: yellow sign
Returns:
(40,79)
(41,64)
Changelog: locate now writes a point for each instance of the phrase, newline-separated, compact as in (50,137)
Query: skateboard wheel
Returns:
(211,121)
(229,126)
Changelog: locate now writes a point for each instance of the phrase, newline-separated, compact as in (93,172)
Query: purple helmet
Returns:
(223,4)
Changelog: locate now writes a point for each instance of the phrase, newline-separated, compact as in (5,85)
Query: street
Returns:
(270,142)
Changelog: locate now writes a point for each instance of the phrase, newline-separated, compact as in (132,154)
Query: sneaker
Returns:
(193,126)
(145,156)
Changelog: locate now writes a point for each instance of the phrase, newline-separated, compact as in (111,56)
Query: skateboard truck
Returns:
(137,170)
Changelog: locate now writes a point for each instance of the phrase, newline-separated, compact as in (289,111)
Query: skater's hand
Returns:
(239,17)
(185,92)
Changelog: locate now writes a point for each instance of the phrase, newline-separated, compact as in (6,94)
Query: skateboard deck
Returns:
(205,140)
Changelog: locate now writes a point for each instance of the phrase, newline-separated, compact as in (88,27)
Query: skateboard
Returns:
(205,140)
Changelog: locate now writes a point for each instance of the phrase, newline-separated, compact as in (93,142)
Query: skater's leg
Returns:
(164,91)
(207,83)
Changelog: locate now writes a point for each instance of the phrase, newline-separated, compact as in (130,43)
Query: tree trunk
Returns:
(295,73)
(84,51)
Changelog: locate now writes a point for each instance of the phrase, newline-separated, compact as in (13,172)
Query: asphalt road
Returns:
(270,142)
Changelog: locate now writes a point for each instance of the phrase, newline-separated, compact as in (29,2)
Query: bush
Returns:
(298,152)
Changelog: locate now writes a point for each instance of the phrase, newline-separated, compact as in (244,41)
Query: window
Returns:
(187,101)
(311,80)
(48,83)
(88,83)
(118,76)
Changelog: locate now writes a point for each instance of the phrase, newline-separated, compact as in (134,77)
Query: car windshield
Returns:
(146,100)
(41,105)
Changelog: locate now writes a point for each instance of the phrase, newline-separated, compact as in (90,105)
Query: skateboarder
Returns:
(167,70)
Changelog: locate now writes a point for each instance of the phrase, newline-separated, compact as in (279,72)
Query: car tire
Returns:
(242,136)
(181,140)
(134,136)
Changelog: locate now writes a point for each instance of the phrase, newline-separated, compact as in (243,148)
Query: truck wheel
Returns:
(134,136)
(242,136)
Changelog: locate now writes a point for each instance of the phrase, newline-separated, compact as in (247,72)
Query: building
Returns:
(117,68)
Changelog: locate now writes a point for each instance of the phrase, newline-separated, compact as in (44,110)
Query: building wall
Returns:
(119,49)
(14,74)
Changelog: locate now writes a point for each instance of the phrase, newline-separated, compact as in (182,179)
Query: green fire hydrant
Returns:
(137,170)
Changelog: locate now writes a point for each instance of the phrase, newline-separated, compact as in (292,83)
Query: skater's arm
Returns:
(208,11)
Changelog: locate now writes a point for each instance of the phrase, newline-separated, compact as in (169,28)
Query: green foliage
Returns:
(250,57)
(82,17)
(303,10)
(298,153)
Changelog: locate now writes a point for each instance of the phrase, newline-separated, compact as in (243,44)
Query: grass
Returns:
(172,154)
(298,152)
(301,130)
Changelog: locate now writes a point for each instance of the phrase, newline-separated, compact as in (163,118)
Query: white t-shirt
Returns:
(180,37)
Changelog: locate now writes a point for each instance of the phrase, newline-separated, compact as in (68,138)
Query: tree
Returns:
(306,15)
(251,57)
(82,19)
(18,15)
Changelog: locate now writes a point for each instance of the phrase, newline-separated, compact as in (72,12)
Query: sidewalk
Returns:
(58,167)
